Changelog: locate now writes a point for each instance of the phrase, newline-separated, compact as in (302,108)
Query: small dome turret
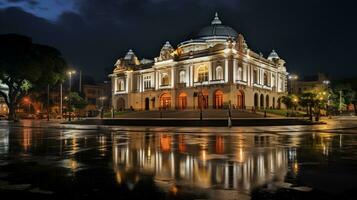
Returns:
(273,55)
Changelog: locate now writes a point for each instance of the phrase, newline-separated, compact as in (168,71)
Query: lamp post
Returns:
(102,106)
(70,90)
(292,78)
(201,94)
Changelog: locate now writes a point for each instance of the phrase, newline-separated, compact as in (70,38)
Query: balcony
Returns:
(165,86)
(149,88)
(241,82)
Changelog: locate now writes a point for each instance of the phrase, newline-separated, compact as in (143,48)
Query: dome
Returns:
(273,55)
(217,29)
(130,55)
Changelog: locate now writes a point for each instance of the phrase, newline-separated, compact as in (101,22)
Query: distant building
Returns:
(214,69)
(308,83)
(97,95)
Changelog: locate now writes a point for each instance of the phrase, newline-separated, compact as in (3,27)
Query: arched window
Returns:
(240,73)
(182,76)
(219,73)
(202,72)
(120,85)
(164,79)
(265,78)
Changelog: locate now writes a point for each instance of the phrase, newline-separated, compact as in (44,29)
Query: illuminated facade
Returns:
(213,70)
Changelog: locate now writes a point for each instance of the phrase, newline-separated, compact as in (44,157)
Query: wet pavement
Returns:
(294,162)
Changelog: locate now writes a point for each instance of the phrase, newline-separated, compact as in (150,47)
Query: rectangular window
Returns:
(147,82)
(255,76)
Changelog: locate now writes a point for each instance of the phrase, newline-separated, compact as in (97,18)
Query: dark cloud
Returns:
(310,35)
(29,2)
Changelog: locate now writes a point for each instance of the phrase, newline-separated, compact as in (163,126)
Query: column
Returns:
(157,78)
(191,75)
(245,72)
(172,77)
(226,70)
(209,71)
(234,70)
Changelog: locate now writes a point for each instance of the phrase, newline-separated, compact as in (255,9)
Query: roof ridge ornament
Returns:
(216,19)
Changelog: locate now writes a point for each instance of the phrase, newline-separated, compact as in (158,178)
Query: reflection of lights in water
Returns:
(118,177)
(240,155)
(244,168)
(102,145)
(26,142)
(71,164)
(174,190)
(182,145)
(203,155)
(295,167)
(4,142)
(219,145)
(165,141)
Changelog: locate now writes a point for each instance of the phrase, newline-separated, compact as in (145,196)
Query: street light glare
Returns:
(71,72)
(293,77)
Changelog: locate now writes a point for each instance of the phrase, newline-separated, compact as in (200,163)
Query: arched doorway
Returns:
(147,103)
(279,103)
(256,103)
(240,100)
(120,104)
(218,99)
(182,101)
(261,101)
(165,101)
(202,99)
(267,103)
(273,102)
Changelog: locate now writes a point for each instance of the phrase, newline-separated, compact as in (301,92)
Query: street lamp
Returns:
(102,105)
(70,90)
(292,78)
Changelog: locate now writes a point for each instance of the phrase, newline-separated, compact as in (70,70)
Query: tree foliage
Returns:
(24,65)
(75,101)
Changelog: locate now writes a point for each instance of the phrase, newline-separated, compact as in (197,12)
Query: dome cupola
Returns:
(217,30)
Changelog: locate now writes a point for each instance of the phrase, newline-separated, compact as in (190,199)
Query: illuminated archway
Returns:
(218,99)
(182,101)
(165,101)
(240,100)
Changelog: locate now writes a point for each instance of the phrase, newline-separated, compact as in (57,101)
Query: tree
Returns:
(290,101)
(307,101)
(75,102)
(24,65)
(342,95)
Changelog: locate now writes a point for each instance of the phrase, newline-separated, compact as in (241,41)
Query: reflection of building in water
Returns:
(4,142)
(227,162)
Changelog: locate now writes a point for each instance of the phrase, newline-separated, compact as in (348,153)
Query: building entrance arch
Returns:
(165,101)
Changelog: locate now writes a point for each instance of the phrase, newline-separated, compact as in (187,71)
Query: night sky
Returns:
(311,35)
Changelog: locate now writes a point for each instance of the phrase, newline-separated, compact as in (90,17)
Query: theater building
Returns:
(215,69)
